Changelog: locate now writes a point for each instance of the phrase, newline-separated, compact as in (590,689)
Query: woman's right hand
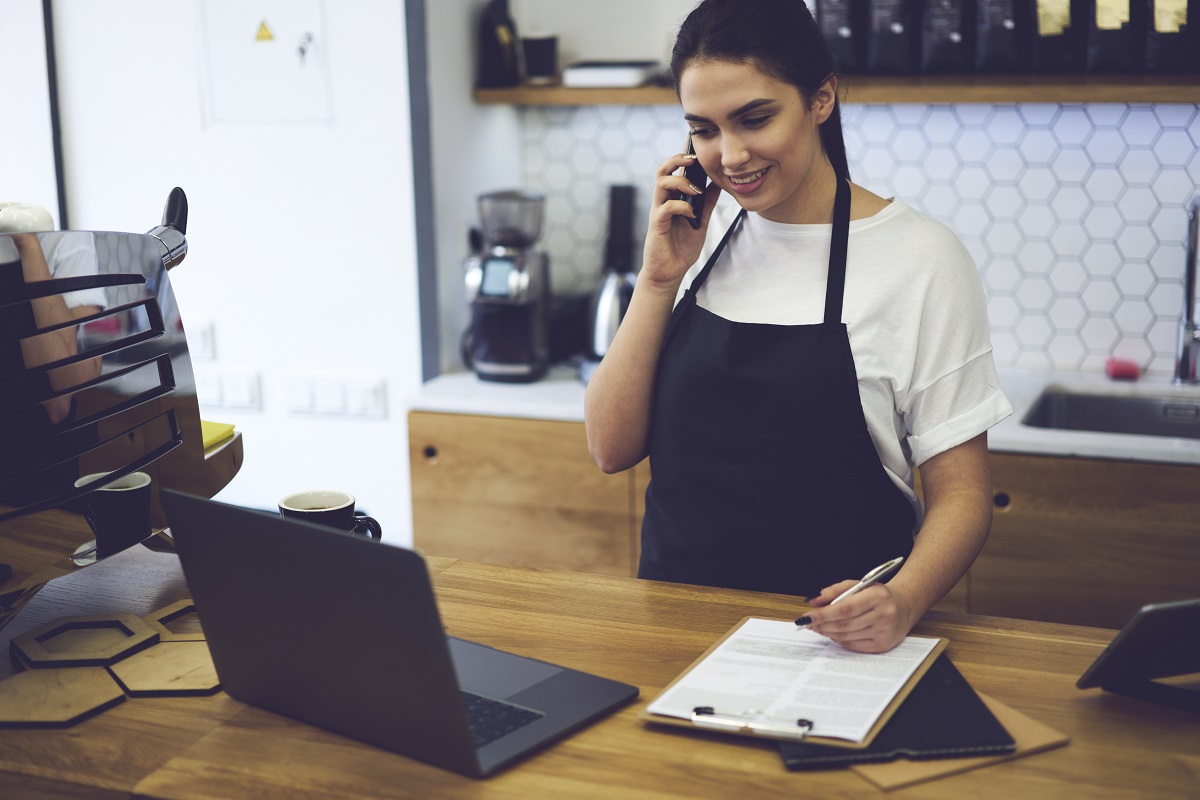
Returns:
(672,244)
(618,404)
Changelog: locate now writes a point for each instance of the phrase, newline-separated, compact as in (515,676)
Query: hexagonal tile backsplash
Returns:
(1075,214)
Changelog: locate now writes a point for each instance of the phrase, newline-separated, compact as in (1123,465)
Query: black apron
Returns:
(763,472)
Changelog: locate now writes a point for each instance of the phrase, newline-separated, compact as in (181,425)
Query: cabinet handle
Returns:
(431,454)
(1001,500)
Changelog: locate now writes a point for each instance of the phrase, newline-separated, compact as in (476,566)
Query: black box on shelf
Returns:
(1056,35)
(1002,35)
(1170,36)
(947,40)
(1111,30)
(844,26)
(893,36)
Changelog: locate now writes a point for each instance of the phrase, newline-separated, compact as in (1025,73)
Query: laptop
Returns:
(343,632)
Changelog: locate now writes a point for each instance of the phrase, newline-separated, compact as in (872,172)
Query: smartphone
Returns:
(698,178)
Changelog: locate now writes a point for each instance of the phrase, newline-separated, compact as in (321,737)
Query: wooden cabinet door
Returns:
(517,492)
(1087,542)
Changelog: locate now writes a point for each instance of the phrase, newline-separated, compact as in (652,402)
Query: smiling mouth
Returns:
(749,178)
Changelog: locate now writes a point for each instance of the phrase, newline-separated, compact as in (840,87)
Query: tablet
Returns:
(1161,640)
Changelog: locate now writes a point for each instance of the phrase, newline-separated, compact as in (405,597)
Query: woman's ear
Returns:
(824,98)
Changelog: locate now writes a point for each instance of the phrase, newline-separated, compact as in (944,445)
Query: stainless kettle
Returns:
(605,313)
(611,298)
(608,309)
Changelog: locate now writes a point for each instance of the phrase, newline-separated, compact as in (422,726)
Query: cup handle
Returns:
(372,528)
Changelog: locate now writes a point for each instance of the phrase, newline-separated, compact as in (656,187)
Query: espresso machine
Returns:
(508,288)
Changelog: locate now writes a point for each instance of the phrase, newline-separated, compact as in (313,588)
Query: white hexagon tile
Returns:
(1074,214)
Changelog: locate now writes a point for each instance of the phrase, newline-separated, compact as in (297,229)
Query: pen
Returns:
(875,575)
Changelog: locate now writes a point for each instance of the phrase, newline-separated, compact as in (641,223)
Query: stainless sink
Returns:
(1064,409)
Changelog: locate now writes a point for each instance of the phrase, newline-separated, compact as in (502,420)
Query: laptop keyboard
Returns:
(490,719)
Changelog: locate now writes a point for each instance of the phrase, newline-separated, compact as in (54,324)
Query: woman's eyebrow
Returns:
(737,112)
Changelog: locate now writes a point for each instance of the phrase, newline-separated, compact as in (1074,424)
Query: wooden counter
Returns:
(635,631)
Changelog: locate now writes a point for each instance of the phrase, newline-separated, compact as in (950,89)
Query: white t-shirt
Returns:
(913,306)
(69,254)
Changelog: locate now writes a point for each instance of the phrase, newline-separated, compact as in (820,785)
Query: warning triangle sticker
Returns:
(264,33)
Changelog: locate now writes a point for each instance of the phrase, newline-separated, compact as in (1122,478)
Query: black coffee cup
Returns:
(329,508)
(117,512)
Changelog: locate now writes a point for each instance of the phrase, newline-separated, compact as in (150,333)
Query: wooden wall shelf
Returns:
(911,89)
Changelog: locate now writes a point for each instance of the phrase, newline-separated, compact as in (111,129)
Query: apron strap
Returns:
(712,260)
(689,294)
(835,284)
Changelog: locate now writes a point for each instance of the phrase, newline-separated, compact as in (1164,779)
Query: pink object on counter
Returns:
(1121,369)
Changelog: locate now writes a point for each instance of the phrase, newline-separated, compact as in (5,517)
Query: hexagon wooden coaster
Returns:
(168,669)
(177,622)
(84,641)
(56,698)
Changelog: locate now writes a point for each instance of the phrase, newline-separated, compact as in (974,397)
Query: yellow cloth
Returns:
(213,432)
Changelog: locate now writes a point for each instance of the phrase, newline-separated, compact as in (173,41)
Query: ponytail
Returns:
(834,142)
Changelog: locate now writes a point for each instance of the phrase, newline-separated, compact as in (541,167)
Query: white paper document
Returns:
(770,671)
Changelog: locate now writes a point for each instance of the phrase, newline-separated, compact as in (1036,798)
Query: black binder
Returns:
(941,718)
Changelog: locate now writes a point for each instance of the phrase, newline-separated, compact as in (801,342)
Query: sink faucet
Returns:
(1189,333)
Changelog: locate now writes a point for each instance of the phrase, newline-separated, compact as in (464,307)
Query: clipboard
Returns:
(726,721)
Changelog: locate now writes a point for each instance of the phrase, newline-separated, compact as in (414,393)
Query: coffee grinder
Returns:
(508,287)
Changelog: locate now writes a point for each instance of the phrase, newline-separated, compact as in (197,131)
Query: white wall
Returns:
(475,149)
(26,146)
(302,239)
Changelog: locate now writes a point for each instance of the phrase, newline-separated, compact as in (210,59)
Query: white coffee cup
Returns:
(24,218)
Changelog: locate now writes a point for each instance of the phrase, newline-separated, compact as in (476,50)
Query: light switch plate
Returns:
(300,395)
(329,396)
(241,390)
(366,397)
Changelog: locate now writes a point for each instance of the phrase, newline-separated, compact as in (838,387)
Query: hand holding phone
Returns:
(698,178)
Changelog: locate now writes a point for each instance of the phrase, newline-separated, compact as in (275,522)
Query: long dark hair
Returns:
(780,37)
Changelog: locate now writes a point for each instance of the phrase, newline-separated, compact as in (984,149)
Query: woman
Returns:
(787,369)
